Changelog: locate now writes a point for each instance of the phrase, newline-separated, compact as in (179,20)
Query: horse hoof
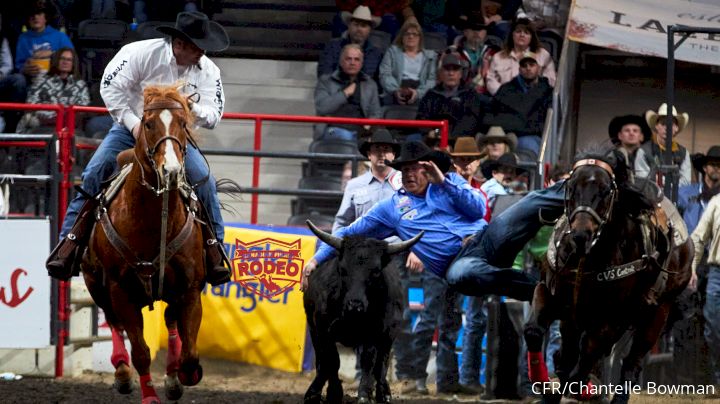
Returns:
(312,398)
(173,388)
(123,386)
(364,400)
(191,379)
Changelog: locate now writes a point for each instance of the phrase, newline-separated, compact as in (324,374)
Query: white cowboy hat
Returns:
(651,117)
(361,13)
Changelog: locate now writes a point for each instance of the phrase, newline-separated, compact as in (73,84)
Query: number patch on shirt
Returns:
(409,215)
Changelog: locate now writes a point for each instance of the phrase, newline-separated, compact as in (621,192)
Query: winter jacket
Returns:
(519,108)
(392,66)
(504,67)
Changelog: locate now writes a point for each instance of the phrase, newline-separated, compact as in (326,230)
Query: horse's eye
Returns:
(149,125)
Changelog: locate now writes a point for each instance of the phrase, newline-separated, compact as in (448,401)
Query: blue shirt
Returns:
(362,193)
(690,205)
(448,213)
(30,42)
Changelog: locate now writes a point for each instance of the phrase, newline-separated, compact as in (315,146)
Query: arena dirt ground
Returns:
(225,382)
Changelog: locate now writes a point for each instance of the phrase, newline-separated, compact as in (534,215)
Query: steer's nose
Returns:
(355,306)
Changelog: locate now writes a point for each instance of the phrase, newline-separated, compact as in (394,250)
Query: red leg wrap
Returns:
(173,353)
(537,370)
(146,386)
(586,391)
(119,354)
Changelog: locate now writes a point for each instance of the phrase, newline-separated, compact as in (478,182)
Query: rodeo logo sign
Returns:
(267,267)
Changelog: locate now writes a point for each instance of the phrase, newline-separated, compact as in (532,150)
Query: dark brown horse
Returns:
(619,265)
(147,246)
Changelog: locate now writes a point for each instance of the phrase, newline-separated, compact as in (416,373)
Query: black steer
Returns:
(355,299)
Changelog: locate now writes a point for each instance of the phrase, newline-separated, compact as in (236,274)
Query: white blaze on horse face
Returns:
(171,165)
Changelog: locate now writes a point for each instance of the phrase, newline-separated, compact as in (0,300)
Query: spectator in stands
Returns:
(126,76)
(466,160)
(61,85)
(437,16)
(628,132)
(548,17)
(359,23)
(505,65)
(348,92)
(496,14)
(650,155)
(11,84)
(472,47)
(435,202)
(451,100)
(388,11)
(521,104)
(694,198)
(407,70)
(36,45)
(496,142)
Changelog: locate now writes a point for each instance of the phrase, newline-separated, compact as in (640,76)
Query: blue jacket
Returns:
(447,213)
(30,41)
(330,57)
(690,206)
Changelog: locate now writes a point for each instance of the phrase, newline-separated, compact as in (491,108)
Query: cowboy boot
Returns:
(215,260)
(64,259)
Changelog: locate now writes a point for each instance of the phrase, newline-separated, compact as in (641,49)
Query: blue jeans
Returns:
(530,142)
(403,342)
(478,268)
(102,165)
(553,345)
(442,310)
(475,326)
(711,311)
(333,132)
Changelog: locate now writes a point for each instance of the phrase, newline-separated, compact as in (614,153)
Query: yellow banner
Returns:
(258,317)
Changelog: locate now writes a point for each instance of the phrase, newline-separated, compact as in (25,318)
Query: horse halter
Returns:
(151,150)
(600,220)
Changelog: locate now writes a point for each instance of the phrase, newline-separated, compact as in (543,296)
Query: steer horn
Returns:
(404,245)
(328,238)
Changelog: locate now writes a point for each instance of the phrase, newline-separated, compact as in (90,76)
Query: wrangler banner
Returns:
(258,317)
(640,26)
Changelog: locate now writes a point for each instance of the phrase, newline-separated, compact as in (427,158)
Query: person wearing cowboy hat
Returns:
(651,154)
(499,175)
(475,50)
(628,132)
(706,233)
(694,198)
(386,12)
(496,142)
(466,159)
(136,65)
(359,24)
(447,209)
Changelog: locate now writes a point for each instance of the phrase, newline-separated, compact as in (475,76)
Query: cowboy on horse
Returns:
(180,59)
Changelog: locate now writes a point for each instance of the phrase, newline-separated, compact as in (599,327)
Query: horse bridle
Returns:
(600,220)
(150,150)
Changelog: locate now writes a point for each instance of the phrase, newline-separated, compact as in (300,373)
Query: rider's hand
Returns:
(309,267)
(692,285)
(432,172)
(413,263)
(136,130)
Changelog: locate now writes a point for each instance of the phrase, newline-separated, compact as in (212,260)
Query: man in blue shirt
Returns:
(448,209)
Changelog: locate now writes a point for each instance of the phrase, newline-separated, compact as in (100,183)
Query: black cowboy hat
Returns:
(506,160)
(415,150)
(474,23)
(618,122)
(699,160)
(196,27)
(379,135)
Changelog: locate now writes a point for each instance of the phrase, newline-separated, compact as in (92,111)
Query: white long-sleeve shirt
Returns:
(708,229)
(6,60)
(151,62)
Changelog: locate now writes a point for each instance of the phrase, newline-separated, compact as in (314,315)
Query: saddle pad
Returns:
(114,186)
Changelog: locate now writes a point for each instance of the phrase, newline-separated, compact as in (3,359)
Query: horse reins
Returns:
(600,220)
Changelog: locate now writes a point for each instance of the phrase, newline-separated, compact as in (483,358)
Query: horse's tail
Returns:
(231,188)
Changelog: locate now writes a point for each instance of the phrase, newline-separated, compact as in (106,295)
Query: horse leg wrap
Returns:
(537,370)
(173,353)
(119,354)
(148,391)
(586,392)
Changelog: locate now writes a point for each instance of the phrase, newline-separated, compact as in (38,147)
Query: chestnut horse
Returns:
(147,246)
(620,263)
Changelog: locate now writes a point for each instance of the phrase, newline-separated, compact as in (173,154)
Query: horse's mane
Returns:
(631,199)
(155,92)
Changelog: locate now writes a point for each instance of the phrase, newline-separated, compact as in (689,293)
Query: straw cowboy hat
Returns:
(361,13)
(497,134)
(506,160)
(196,27)
(699,160)
(617,123)
(379,135)
(651,117)
(465,146)
(415,150)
